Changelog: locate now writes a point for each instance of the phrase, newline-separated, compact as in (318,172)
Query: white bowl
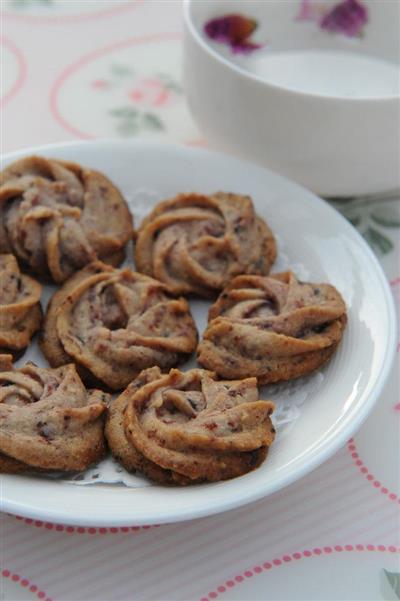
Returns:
(325,408)
(334,145)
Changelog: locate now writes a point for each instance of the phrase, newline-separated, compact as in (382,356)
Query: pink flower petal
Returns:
(233,30)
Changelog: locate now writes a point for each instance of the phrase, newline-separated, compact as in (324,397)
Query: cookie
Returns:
(186,427)
(20,310)
(112,323)
(48,420)
(56,217)
(275,328)
(122,450)
(196,244)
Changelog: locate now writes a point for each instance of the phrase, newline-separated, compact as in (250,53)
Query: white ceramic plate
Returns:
(319,244)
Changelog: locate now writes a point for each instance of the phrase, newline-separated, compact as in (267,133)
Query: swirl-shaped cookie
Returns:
(183,428)
(112,323)
(48,420)
(195,244)
(56,217)
(20,310)
(275,328)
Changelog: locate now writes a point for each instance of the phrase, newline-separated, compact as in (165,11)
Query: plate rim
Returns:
(347,429)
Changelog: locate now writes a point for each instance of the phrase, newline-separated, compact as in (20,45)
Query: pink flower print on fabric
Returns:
(151,92)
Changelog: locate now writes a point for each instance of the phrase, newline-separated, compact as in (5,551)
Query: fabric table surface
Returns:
(84,70)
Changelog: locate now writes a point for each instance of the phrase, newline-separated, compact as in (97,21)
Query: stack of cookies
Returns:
(111,329)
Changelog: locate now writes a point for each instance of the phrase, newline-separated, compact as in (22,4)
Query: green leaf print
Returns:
(386,216)
(394,581)
(125,112)
(352,215)
(127,128)
(379,242)
(120,70)
(152,121)
(370,215)
(354,220)
(130,121)
(170,83)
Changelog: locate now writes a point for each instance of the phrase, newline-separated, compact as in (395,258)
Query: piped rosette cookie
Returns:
(187,427)
(56,217)
(196,244)
(20,310)
(48,420)
(275,328)
(112,323)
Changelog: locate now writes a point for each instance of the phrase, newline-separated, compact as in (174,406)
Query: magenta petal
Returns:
(218,30)
(233,30)
(348,17)
(245,47)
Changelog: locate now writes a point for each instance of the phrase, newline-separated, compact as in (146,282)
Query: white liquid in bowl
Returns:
(328,73)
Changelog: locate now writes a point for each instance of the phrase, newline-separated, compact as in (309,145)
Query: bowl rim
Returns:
(195,34)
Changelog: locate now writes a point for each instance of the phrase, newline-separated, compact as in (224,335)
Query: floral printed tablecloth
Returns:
(95,68)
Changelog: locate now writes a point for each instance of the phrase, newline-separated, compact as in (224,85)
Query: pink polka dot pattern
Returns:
(80,529)
(318,551)
(25,583)
(370,477)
